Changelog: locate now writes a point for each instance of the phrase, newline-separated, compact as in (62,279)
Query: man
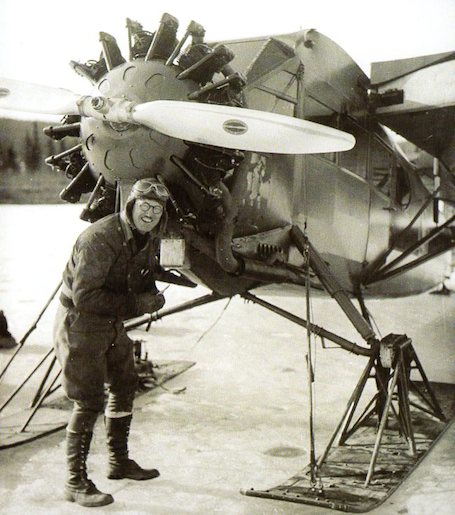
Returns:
(109,277)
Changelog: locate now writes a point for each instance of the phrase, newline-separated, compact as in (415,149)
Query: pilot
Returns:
(108,278)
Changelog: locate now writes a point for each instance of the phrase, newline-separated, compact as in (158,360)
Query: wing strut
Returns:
(382,270)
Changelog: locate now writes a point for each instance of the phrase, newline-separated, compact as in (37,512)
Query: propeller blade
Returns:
(210,124)
(243,129)
(36,98)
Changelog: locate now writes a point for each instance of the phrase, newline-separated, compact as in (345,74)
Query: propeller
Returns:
(36,98)
(211,124)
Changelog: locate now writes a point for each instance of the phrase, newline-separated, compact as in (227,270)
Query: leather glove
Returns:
(149,302)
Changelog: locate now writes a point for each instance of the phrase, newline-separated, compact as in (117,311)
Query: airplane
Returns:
(289,169)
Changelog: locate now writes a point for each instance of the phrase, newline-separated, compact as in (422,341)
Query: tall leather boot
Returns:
(78,487)
(120,466)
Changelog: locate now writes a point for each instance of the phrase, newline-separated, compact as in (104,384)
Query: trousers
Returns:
(96,355)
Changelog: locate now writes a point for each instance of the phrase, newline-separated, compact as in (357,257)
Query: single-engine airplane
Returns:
(287,166)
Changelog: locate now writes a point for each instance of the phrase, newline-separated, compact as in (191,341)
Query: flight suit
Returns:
(101,280)
(108,278)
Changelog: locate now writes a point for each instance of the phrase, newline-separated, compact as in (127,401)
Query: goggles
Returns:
(149,188)
(145,206)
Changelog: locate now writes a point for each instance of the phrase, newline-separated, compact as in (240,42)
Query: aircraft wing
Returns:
(416,99)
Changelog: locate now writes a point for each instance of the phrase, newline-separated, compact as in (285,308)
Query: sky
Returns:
(38,39)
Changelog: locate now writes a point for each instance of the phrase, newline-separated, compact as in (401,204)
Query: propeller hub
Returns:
(98,103)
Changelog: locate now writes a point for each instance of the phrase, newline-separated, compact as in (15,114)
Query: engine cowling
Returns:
(126,151)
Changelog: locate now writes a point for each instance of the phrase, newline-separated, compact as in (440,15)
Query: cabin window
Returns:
(316,111)
(264,100)
(380,166)
(277,94)
(284,82)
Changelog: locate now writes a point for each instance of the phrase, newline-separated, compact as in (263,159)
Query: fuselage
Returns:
(351,205)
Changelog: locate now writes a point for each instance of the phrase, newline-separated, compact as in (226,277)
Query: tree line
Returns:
(27,155)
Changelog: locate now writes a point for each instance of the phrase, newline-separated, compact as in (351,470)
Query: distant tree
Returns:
(2,158)
(28,152)
(37,144)
(50,150)
(32,150)
(11,160)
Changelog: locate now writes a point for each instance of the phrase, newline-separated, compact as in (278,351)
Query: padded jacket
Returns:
(106,270)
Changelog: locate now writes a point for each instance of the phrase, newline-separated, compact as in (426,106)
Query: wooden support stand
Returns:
(371,452)
(392,365)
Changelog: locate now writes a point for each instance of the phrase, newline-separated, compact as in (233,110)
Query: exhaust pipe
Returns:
(223,240)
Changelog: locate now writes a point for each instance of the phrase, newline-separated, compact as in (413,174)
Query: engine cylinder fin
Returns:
(91,70)
(212,164)
(201,62)
(62,131)
(141,43)
(133,27)
(53,160)
(111,52)
(101,202)
(225,91)
(83,182)
(70,162)
(196,31)
(164,39)
(181,165)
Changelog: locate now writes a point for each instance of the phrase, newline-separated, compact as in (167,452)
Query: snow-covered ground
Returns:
(246,395)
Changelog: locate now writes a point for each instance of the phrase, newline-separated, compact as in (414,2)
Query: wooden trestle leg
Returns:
(401,355)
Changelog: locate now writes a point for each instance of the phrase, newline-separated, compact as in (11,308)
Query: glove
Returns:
(149,303)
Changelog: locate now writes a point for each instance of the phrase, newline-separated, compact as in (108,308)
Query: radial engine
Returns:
(159,67)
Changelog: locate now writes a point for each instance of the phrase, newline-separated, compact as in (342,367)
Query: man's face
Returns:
(146,214)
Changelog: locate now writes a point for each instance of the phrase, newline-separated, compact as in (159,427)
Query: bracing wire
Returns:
(374,323)
(310,374)
(314,477)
